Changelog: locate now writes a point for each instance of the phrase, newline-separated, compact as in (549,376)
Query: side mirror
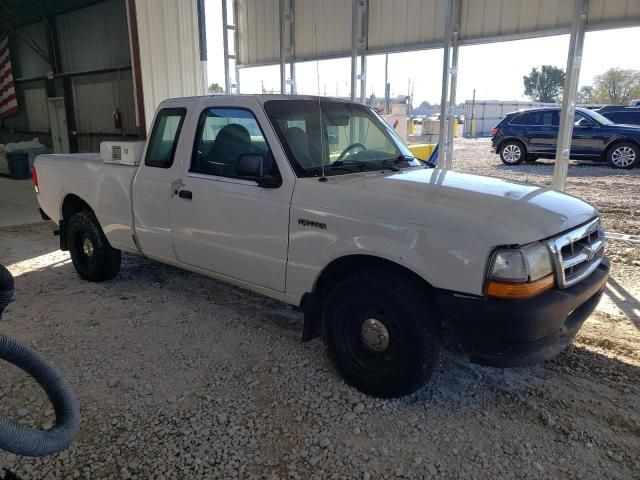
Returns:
(253,166)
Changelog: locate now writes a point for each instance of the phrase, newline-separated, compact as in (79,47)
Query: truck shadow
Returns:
(624,300)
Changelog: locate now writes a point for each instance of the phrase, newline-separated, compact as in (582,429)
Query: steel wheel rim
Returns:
(623,156)
(511,153)
(86,249)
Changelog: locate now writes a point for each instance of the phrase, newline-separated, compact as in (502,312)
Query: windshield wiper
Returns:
(346,164)
(407,158)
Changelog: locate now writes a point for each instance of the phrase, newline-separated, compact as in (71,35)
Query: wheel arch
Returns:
(617,141)
(514,139)
(338,269)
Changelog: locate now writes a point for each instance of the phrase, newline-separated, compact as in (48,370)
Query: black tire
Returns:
(92,256)
(623,155)
(512,152)
(413,343)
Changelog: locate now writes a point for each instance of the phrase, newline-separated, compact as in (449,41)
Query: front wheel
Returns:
(512,153)
(92,256)
(623,155)
(381,332)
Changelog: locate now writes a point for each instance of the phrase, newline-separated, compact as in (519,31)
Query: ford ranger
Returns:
(317,202)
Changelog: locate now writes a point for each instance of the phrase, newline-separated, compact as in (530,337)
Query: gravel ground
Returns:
(222,387)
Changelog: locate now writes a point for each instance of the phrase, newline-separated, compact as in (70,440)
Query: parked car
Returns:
(622,115)
(530,134)
(387,257)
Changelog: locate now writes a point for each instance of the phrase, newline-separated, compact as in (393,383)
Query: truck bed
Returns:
(106,187)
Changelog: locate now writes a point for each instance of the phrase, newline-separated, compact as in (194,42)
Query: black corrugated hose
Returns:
(16,437)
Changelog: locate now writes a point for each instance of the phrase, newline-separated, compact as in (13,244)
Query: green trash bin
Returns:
(18,163)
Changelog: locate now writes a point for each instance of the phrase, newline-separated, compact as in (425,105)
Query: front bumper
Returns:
(513,333)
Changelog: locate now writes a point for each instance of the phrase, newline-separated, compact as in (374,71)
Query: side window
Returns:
(223,135)
(164,138)
(519,119)
(581,121)
(533,119)
(547,118)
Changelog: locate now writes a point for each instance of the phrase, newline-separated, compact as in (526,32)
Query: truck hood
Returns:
(496,211)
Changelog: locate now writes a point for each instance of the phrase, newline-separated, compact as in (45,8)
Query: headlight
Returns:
(520,272)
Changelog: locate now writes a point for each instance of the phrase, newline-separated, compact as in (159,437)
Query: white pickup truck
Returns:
(316,202)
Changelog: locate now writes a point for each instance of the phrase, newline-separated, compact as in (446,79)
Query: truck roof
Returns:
(262,98)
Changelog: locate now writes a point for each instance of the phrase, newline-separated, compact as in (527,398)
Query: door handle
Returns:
(186,194)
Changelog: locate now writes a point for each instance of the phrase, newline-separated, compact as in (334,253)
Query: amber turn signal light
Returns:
(519,290)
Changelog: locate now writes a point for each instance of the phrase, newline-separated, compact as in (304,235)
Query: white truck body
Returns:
(441,225)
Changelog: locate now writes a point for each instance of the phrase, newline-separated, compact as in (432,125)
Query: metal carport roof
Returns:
(404,25)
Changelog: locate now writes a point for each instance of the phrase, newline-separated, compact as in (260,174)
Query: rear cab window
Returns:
(164,137)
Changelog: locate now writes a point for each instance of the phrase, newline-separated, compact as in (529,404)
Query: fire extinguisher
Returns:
(117,119)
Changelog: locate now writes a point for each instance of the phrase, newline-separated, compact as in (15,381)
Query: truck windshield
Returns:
(342,137)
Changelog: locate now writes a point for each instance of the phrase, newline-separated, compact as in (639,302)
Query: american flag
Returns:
(8,102)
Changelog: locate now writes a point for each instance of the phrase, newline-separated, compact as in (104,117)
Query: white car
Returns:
(316,202)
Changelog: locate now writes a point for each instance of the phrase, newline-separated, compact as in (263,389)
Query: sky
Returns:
(494,70)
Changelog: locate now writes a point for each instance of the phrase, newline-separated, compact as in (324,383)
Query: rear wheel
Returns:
(381,333)
(623,155)
(92,256)
(512,152)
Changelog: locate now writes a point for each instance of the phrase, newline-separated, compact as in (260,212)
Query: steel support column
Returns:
(292,45)
(287,51)
(386,84)
(363,78)
(445,82)
(574,61)
(225,46)
(354,48)
(453,82)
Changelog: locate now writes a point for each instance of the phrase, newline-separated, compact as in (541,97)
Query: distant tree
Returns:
(585,94)
(616,86)
(544,84)
(215,88)
(424,104)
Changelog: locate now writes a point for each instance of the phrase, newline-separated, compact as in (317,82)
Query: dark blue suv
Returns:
(530,134)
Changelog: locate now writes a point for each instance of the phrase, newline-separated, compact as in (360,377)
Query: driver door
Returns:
(226,224)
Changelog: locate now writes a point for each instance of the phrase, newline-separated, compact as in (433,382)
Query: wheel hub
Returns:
(375,335)
(623,156)
(511,153)
(87,247)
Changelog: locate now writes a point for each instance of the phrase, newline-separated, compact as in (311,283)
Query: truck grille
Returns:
(577,253)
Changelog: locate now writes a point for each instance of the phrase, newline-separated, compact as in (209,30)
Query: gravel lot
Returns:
(180,376)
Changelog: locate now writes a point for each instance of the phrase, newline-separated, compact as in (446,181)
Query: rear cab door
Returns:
(539,130)
(151,191)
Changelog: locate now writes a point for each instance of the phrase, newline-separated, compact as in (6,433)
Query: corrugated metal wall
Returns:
(33,114)
(97,96)
(26,62)
(169,52)
(332,22)
(258,31)
(403,25)
(92,41)
(94,38)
